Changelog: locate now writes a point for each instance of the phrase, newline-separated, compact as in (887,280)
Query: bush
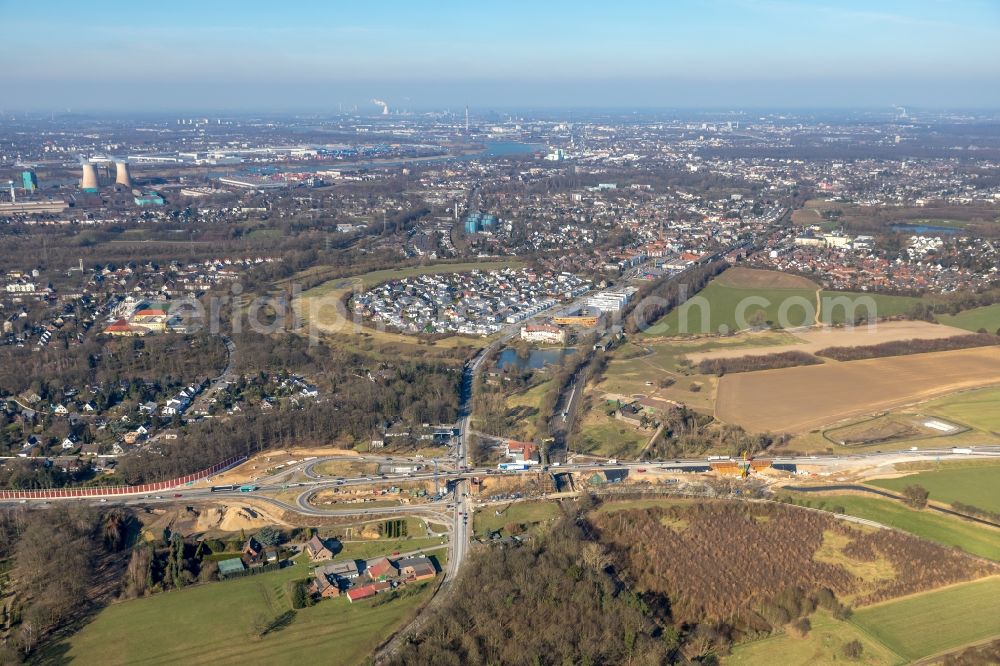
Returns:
(720,366)
(299,594)
(801,627)
(916,496)
(853,650)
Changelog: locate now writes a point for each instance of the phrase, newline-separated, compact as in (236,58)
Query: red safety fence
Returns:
(110,491)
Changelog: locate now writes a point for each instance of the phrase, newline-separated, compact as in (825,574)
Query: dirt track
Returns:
(819,338)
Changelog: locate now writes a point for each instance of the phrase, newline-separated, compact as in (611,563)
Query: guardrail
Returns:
(112,491)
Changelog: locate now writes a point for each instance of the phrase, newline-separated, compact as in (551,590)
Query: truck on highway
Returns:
(512,467)
(248,488)
(956,449)
(223,489)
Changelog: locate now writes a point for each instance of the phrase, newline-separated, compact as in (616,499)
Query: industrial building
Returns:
(29,181)
(89,181)
(148,198)
(477,222)
(122,175)
(612,300)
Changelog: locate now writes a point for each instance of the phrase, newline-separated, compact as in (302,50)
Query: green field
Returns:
(366,550)
(486,520)
(978,486)
(822,645)
(972,538)
(885,305)
(602,435)
(933,622)
(979,409)
(987,317)
(212,624)
(717,306)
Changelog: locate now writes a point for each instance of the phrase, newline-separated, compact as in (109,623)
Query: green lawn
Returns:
(602,435)
(486,520)
(714,309)
(987,317)
(366,550)
(975,539)
(822,645)
(978,486)
(979,409)
(716,306)
(211,624)
(933,622)
(885,305)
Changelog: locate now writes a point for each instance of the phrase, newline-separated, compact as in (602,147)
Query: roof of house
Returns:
(365,591)
(315,546)
(342,568)
(380,567)
(412,561)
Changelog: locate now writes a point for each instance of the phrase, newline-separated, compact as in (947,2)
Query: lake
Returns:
(925,229)
(537,358)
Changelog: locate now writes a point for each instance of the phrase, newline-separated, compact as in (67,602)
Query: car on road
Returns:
(177,495)
(104,499)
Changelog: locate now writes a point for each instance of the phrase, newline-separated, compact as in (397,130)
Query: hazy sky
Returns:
(95,54)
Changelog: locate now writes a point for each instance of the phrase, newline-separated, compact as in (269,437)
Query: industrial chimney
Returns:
(89,179)
(122,175)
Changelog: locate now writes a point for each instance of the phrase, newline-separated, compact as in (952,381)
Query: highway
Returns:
(305,489)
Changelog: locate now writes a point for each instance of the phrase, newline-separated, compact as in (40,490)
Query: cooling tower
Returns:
(122,175)
(89,179)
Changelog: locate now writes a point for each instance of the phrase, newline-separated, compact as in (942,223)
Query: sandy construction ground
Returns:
(804,398)
(815,339)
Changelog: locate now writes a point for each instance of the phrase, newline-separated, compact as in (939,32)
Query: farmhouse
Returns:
(416,568)
(317,550)
(522,451)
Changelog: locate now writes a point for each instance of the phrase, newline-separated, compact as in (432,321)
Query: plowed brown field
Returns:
(800,399)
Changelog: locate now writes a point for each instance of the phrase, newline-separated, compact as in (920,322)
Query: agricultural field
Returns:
(933,622)
(743,298)
(800,399)
(213,624)
(519,513)
(949,531)
(823,645)
(977,485)
(987,317)
(724,309)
